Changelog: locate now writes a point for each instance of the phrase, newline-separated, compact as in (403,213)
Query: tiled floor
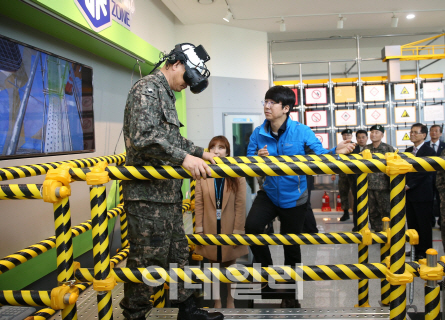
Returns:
(323,294)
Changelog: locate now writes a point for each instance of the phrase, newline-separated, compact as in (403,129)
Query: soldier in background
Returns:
(152,138)
(378,183)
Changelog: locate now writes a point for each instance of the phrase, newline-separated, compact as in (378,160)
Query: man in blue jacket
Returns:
(285,196)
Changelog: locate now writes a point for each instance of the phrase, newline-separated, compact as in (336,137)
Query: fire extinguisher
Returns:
(325,203)
(338,203)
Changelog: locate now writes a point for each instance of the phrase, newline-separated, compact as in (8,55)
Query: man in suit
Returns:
(362,139)
(438,146)
(419,193)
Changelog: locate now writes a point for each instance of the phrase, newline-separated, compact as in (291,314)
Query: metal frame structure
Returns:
(360,105)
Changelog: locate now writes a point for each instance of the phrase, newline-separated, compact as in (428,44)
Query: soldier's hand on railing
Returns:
(197,167)
(209,157)
(345,147)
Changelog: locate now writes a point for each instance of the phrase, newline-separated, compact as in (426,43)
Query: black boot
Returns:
(189,311)
(345,215)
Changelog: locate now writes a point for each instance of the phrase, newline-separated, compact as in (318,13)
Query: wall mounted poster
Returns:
(316,95)
(374,93)
(402,138)
(433,90)
(433,113)
(294,115)
(324,139)
(375,116)
(317,118)
(405,91)
(405,114)
(344,94)
(346,117)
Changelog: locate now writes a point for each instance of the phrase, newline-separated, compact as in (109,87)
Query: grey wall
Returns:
(224,94)
(26,222)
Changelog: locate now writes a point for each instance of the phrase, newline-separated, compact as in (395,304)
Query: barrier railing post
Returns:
(384,252)
(101,249)
(123,219)
(362,225)
(192,201)
(56,190)
(102,283)
(397,295)
(432,290)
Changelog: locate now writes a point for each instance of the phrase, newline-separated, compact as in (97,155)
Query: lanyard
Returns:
(219,193)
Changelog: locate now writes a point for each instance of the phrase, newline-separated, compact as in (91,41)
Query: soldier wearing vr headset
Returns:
(152,138)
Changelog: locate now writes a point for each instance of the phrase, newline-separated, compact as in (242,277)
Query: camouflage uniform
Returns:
(378,191)
(343,188)
(440,184)
(155,227)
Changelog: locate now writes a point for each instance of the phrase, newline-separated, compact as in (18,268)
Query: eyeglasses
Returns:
(269,104)
(414,133)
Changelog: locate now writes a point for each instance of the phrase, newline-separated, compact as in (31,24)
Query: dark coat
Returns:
(440,149)
(420,183)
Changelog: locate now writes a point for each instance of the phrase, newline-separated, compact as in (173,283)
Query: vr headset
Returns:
(194,59)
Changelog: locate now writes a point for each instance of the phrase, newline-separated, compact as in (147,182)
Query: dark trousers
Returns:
(292,221)
(418,216)
(310,225)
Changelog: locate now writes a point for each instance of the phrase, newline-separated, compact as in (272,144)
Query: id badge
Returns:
(218,214)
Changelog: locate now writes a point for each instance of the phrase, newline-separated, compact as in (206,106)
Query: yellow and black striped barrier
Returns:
(11,261)
(362,226)
(101,254)
(285,239)
(18,172)
(397,275)
(120,256)
(31,298)
(420,164)
(43,314)
(432,303)
(384,253)
(20,191)
(64,244)
(248,274)
(298,158)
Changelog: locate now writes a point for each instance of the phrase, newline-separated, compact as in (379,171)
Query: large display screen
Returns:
(46,103)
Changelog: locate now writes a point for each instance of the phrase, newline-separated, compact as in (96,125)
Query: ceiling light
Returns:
(282,26)
(411,16)
(205,1)
(228,16)
(340,22)
(394,21)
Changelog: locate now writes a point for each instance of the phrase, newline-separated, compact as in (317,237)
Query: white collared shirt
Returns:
(418,147)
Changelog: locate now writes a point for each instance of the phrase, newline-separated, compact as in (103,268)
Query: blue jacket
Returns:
(284,191)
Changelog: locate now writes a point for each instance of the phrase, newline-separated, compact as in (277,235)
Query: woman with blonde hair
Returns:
(220,208)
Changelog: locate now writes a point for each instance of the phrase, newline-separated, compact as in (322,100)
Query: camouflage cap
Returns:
(346,131)
(378,127)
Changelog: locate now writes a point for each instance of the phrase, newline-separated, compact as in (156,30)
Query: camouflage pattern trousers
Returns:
(156,236)
(379,207)
(343,188)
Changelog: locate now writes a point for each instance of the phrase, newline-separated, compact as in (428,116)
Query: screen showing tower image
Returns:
(46,103)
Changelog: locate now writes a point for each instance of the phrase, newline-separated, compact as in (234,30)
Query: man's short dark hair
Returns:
(423,128)
(437,126)
(281,94)
(361,131)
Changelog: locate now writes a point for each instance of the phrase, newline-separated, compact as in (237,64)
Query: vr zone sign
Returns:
(98,13)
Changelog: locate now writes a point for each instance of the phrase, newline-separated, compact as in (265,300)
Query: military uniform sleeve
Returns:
(190,148)
(146,132)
